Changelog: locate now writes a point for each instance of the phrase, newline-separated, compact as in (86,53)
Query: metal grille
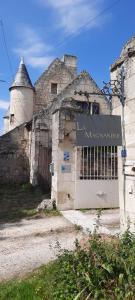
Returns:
(98,163)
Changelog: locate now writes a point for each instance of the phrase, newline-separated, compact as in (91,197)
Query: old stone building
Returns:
(127,164)
(57,136)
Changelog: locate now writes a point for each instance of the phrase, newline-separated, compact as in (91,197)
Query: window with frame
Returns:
(90,107)
(54,88)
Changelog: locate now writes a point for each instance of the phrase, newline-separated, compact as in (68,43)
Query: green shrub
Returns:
(105,270)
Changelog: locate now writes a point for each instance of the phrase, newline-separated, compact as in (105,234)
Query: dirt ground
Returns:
(28,244)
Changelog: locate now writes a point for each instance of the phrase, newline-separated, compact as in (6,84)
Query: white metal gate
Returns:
(96,177)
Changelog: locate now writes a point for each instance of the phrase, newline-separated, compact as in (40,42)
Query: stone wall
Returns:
(41,139)
(58,73)
(14,156)
(63,139)
(84,83)
(125,165)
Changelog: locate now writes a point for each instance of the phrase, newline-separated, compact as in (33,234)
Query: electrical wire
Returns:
(59,44)
(90,20)
(6,47)
(68,37)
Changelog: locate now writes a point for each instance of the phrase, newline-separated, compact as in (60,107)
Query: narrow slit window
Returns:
(11,118)
(54,88)
(95,108)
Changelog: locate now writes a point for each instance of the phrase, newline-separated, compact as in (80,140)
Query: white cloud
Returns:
(34,50)
(4,104)
(72,15)
(40,61)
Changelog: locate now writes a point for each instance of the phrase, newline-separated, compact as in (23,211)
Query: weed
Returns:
(78,227)
(104,269)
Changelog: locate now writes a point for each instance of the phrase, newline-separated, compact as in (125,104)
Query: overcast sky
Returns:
(40,30)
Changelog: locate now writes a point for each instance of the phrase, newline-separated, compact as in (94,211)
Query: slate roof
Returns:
(22,78)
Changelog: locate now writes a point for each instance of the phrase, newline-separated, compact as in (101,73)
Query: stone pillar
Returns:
(34,155)
(63,158)
(127,181)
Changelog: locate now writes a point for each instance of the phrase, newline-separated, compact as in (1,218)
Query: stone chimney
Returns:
(71,62)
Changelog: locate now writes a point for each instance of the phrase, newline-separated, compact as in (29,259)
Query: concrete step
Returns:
(87,222)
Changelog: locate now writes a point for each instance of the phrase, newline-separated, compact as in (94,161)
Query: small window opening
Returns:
(11,118)
(54,88)
(95,108)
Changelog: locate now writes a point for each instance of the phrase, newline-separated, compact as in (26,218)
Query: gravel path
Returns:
(28,244)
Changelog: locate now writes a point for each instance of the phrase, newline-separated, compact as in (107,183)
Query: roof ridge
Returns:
(83,74)
(47,70)
(56,60)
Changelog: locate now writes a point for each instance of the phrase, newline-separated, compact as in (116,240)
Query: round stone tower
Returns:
(127,165)
(21,98)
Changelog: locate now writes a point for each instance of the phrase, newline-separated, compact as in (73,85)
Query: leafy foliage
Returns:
(103,269)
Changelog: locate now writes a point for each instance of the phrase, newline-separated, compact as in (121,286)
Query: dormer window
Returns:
(54,88)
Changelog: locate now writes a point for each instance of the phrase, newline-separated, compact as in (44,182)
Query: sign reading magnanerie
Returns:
(98,130)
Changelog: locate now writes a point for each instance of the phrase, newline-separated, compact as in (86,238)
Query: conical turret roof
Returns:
(22,78)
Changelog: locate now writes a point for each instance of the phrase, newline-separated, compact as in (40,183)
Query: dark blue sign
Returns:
(66,155)
(123,153)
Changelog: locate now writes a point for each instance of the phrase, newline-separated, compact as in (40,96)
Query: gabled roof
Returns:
(54,64)
(22,78)
(65,94)
(76,81)
(73,86)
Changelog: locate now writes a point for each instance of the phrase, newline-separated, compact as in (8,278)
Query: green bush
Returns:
(105,270)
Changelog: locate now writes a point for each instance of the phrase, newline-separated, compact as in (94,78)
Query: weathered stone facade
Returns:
(126,166)
(60,72)
(41,138)
(52,131)
(14,156)
(64,136)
